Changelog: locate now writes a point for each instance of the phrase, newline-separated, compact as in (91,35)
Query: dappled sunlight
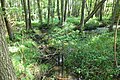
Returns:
(60,40)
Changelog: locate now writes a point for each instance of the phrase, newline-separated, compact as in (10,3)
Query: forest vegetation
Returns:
(59,40)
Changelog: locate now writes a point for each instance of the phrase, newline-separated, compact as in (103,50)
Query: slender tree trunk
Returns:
(6,67)
(113,15)
(97,13)
(87,8)
(82,15)
(58,12)
(94,11)
(115,42)
(100,14)
(40,11)
(26,15)
(34,5)
(22,15)
(68,8)
(66,2)
(53,10)
(49,6)
(29,15)
(74,2)
(9,30)
(95,4)
(115,35)
(75,9)
(62,12)
(62,71)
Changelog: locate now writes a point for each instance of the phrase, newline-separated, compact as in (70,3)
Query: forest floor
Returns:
(36,54)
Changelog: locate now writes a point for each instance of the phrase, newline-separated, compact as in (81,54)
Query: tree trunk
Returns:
(87,8)
(100,14)
(9,30)
(53,10)
(115,42)
(22,15)
(94,11)
(26,15)
(58,12)
(66,1)
(113,15)
(73,7)
(34,7)
(6,67)
(40,11)
(97,13)
(29,15)
(62,12)
(68,8)
(49,6)
(82,15)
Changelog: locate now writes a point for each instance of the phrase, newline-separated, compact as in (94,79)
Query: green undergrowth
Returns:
(92,24)
(90,56)
(23,50)
(94,59)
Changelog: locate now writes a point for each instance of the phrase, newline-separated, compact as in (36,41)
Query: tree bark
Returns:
(26,15)
(49,6)
(82,15)
(62,12)
(29,15)
(66,2)
(53,10)
(100,13)
(40,11)
(58,12)
(9,30)
(6,67)
(68,8)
